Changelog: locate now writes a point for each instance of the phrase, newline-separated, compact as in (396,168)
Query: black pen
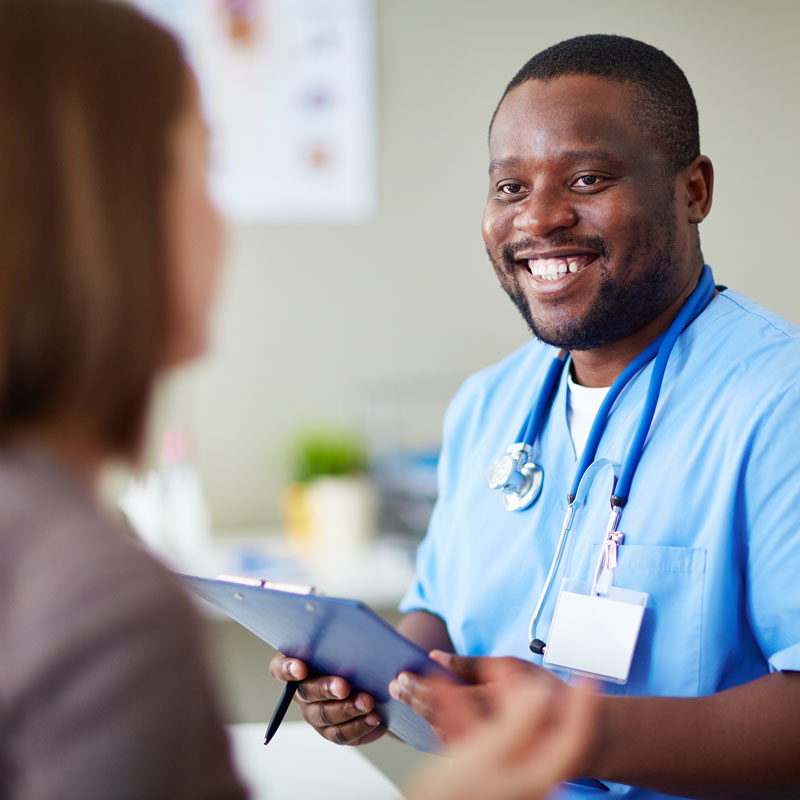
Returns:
(280,710)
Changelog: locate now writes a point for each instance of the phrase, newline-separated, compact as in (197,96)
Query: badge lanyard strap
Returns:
(607,560)
(662,348)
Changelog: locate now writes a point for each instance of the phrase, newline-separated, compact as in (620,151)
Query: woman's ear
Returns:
(698,180)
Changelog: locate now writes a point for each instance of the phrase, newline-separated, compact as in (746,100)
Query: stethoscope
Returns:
(520,479)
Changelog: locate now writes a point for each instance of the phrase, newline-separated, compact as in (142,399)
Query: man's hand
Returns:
(525,735)
(422,694)
(329,705)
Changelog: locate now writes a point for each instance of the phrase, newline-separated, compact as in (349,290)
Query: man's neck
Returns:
(601,366)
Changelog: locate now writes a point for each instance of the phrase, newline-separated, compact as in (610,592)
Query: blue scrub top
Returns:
(712,526)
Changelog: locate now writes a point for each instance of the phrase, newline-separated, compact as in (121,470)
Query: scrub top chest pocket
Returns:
(667,654)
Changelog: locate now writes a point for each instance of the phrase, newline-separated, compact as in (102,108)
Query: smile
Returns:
(556,268)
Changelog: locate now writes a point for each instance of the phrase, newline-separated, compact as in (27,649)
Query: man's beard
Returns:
(619,309)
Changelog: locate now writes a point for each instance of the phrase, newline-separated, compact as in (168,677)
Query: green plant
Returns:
(318,453)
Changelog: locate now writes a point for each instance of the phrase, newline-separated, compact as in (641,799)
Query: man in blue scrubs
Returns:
(596,189)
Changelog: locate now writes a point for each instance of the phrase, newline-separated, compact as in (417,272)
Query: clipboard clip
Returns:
(291,686)
(278,586)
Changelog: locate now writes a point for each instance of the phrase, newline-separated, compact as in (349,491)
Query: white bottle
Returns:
(185,520)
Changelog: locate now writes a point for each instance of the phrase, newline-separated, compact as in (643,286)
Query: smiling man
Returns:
(596,189)
(581,222)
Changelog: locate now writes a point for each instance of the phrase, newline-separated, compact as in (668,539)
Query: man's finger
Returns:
(374,734)
(287,669)
(328,687)
(337,712)
(353,731)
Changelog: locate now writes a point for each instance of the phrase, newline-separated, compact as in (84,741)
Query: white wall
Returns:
(310,317)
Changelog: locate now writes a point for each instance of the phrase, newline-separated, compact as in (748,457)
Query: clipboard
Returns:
(334,636)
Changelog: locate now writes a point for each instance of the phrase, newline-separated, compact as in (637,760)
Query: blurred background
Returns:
(318,320)
(361,319)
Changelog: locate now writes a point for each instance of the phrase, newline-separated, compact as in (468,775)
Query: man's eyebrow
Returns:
(568,155)
(596,155)
(501,163)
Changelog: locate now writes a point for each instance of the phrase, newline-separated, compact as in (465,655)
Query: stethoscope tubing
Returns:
(562,540)
(661,348)
(533,424)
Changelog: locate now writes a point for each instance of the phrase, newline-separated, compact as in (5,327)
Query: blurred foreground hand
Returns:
(526,736)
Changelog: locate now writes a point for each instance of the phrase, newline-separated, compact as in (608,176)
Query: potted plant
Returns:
(331,503)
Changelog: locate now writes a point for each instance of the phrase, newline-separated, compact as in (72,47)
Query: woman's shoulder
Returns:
(102,653)
(73,575)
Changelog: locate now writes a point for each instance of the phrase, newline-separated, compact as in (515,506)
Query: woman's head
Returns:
(97,111)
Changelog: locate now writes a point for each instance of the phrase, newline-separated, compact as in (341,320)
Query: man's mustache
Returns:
(511,251)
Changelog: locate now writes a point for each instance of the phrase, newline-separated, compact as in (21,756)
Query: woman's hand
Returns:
(523,731)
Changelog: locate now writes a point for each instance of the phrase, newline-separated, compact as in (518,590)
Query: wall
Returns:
(313,319)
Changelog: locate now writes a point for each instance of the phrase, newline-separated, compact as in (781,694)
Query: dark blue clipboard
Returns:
(333,635)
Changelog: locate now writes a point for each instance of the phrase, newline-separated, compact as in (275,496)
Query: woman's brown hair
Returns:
(89,93)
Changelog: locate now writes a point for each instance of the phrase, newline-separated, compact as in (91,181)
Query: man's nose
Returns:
(543,212)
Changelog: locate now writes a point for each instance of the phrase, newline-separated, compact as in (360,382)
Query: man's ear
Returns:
(698,183)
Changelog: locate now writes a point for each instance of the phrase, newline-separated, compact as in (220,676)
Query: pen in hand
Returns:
(280,710)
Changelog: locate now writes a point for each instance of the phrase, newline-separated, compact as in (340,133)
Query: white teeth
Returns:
(535,266)
(552,269)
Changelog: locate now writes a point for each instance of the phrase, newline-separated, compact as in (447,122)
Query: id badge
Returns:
(595,636)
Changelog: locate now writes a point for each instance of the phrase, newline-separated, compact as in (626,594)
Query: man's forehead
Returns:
(582,115)
(537,99)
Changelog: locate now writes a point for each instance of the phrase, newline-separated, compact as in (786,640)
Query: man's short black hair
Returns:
(665,104)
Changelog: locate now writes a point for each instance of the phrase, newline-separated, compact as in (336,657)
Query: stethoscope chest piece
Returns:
(517,477)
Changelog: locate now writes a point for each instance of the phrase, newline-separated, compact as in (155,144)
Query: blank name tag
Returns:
(595,636)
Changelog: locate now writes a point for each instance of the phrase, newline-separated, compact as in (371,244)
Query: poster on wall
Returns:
(289,91)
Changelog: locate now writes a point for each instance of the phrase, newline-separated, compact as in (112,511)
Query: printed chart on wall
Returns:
(289,91)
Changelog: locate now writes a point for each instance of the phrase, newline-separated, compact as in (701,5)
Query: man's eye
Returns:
(588,180)
(511,188)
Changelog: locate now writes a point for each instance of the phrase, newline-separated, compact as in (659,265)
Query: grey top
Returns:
(103,687)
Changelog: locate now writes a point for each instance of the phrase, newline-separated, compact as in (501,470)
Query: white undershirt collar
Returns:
(583,403)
